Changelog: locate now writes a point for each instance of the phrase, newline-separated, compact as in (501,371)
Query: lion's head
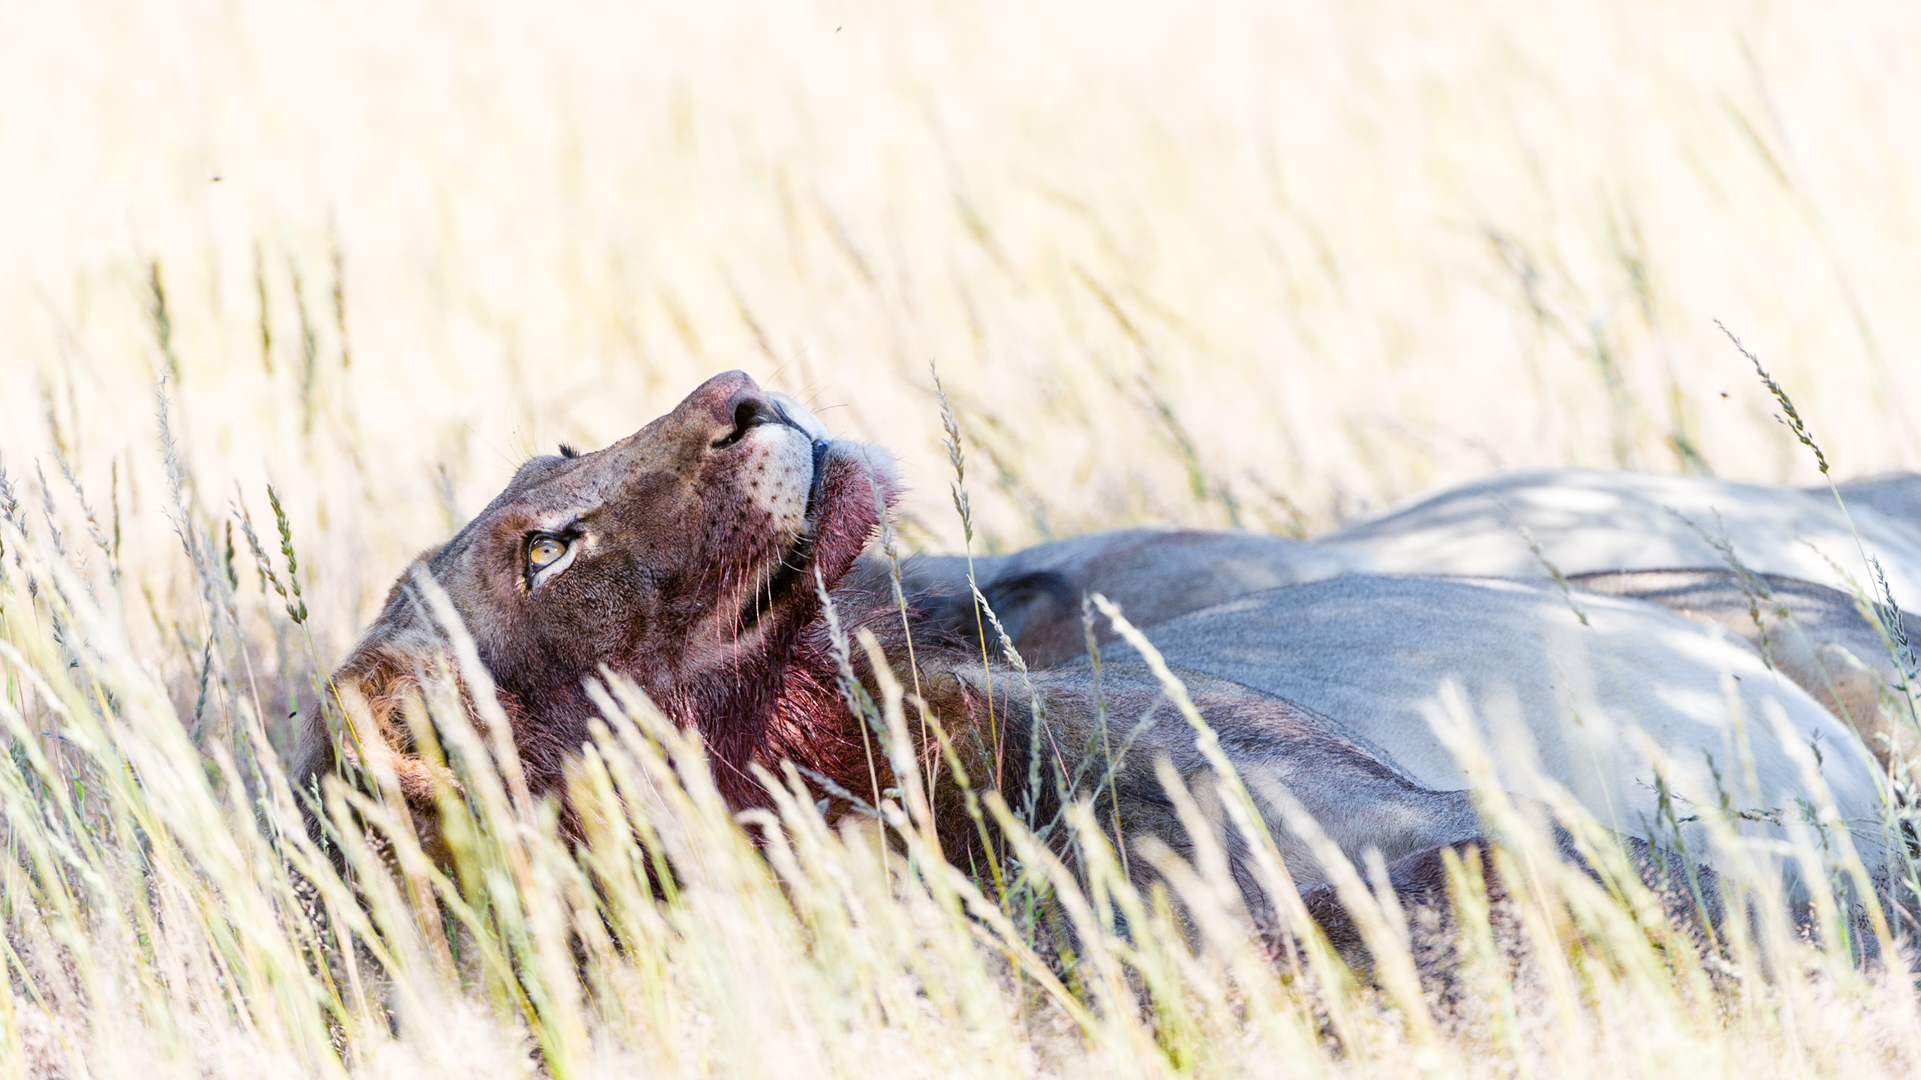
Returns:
(684,556)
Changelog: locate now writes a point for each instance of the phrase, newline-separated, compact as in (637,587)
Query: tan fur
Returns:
(690,553)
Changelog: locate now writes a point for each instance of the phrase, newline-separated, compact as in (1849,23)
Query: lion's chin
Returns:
(852,488)
(854,485)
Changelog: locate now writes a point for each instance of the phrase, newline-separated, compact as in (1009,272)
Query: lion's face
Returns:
(683,556)
(667,553)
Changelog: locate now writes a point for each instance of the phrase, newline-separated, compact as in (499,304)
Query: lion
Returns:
(698,556)
(702,558)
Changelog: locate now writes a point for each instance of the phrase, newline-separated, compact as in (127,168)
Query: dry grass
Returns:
(1201,263)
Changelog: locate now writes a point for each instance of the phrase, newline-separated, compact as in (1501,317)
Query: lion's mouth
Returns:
(818,485)
(792,574)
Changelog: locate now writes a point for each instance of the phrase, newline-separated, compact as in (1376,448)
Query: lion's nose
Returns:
(730,406)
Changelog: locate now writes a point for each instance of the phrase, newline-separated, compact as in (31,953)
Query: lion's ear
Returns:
(388,732)
(377,707)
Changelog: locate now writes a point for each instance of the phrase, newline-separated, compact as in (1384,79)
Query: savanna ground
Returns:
(1215,263)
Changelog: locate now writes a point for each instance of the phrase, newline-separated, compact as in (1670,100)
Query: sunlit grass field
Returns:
(1212,263)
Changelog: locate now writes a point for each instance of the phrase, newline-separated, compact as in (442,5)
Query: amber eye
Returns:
(548,555)
(544,551)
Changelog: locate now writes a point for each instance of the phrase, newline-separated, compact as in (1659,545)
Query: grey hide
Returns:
(1154,574)
(1590,707)
(1894,496)
(1817,636)
(1590,520)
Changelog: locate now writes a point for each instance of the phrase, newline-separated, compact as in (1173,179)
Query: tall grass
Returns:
(1210,263)
(165,911)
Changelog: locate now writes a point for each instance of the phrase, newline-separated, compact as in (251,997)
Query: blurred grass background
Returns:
(1210,263)
(1203,263)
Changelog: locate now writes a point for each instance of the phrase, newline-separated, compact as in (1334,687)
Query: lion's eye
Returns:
(544,551)
(548,555)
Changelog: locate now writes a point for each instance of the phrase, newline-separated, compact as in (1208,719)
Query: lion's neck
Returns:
(782,702)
